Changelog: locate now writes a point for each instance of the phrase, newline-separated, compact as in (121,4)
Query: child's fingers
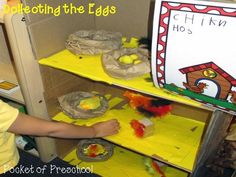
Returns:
(115,123)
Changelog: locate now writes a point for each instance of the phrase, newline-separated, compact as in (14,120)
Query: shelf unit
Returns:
(173,142)
(60,72)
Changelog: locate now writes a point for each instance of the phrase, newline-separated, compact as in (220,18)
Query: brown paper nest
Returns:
(70,105)
(113,67)
(92,42)
(102,157)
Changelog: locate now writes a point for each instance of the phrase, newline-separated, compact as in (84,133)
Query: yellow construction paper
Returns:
(91,67)
(123,163)
(173,141)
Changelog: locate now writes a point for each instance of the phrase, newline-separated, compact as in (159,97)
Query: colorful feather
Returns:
(150,107)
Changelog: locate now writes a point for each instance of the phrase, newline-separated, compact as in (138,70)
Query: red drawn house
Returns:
(211,72)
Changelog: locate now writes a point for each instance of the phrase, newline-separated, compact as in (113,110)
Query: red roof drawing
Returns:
(211,65)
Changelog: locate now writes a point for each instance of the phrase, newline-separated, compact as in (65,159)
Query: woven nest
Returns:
(91,150)
(91,42)
(129,68)
(83,105)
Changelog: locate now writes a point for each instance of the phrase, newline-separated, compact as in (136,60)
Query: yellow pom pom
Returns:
(137,62)
(126,59)
(134,56)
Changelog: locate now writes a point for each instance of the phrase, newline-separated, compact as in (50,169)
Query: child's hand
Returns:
(106,128)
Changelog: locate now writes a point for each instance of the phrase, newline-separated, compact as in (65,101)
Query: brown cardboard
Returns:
(36,17)
(57,83)
(4,52)
(64,146)
(131,17)
(191,112)
(49,36)
(48,33)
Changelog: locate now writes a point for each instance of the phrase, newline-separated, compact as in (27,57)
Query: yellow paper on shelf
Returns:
(123,163)
(91,67)
(175,141)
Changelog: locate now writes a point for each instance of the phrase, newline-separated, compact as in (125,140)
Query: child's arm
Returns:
(29,125)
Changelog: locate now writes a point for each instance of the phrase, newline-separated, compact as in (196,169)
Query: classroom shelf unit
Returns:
(174,141)
(183,139)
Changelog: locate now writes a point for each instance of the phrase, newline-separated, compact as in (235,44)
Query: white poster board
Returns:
(193,51)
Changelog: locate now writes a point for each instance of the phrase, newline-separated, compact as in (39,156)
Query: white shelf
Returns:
(7,73)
